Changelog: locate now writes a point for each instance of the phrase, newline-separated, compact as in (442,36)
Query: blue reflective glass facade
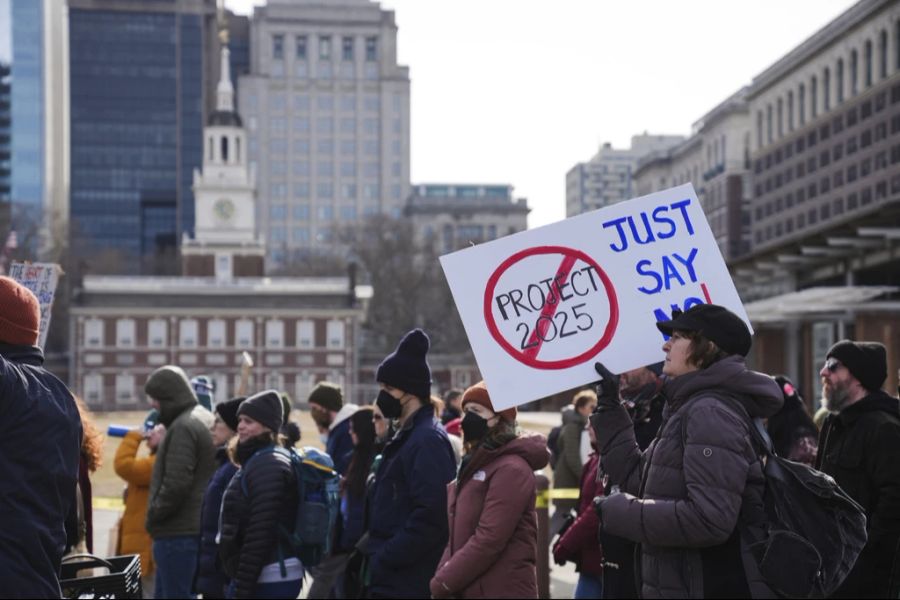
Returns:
(136,128)
(27,107)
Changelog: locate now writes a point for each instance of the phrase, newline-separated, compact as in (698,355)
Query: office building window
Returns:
(334,334)
(301,235)
(125,388)
(325,47)
(371,49)
(854,72)
(826,89)
(325,212)
(301,212)
(301,189)
(274,334)
(347,48)
(868,50)
(839,75)
(93,388)
(325,189)
(278,47)
(301,47)
(243,334)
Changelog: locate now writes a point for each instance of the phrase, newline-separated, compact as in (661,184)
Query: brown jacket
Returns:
(133,537)
(492,551)
(682,496)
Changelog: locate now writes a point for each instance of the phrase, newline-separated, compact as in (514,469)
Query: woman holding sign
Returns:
(681,497)
(493,528)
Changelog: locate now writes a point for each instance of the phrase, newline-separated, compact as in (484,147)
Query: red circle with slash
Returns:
(570,256)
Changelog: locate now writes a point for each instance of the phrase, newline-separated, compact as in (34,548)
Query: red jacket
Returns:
(580,542)
(492,551)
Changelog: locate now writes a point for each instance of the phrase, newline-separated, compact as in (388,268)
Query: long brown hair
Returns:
(92,439)
(354,482)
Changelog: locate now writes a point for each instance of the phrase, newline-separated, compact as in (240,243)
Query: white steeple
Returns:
(225,91)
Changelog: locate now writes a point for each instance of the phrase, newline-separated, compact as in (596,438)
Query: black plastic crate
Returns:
(122,581)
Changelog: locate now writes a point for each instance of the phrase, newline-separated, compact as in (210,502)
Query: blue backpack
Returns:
(318,491)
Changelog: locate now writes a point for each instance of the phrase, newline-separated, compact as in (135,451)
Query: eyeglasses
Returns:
(832,364)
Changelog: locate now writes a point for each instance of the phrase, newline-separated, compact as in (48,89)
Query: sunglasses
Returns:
(832,364)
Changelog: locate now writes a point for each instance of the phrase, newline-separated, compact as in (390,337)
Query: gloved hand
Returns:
(560,553)
(607,388)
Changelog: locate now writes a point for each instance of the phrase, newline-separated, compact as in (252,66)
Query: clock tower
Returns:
(225,242)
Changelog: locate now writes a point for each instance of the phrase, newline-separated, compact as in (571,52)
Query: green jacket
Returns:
(185,460)
(568,467)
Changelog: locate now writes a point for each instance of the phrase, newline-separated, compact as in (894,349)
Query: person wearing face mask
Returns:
(685,498)
(492,550)
(327,408)
(859,446)
(407,502)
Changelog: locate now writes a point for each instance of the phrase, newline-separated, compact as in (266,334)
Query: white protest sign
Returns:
(40,278)
(542,306)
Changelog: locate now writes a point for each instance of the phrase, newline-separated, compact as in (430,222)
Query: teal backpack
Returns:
(318,491)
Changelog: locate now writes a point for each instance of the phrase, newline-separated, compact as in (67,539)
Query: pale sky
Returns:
(519,91)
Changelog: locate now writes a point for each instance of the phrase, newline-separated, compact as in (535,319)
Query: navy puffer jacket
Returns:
(211,577)
(40,441)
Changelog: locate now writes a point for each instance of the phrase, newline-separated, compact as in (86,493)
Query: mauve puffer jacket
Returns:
(684,493)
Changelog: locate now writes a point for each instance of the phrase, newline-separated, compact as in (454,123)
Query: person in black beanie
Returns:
(211,580)
(260,496)
(407,514)
(859,446)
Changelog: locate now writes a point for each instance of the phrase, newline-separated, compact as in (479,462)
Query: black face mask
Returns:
(389,406)
(474,427)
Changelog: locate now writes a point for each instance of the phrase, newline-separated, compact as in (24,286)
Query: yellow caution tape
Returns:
(108,503)
(544,497)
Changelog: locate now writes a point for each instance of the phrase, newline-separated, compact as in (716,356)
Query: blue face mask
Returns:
(389,406)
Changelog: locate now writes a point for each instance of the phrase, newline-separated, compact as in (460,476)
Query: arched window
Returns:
(854,72)
(826,89)
(840,80)
(868,62)
(882,54)
(224,148)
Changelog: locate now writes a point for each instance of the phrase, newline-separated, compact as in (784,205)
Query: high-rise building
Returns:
(141,76)
(326,107)
(607,177)
(4,140)
(39,121)
(716,160)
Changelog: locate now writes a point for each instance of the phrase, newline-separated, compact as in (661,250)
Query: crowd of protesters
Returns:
(656,469)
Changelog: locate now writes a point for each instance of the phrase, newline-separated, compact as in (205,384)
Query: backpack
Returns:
(553,445)
(318,491)
(813,531)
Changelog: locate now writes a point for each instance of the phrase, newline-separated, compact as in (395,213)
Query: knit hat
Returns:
(454,427)
(406,368)
(20,314)
(264,407)
(228,411)
(478,394)
(327,395)
(716,323)
(867,361)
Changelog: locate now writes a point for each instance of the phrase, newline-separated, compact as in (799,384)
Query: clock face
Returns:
(224,209)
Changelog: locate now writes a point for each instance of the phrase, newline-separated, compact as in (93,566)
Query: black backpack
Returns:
(813,531)
(553,445)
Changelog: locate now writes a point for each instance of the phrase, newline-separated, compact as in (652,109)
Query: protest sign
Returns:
(40,278)
(542,306)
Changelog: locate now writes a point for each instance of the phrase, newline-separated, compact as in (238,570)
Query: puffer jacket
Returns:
(681,498)
(133,537)
(40,440)
(261,496)
(567,473)
(211,579)
(580,540)
(860,448)
(407,510)
(185,459)
(492,550)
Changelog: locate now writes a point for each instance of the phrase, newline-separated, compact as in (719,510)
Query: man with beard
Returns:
(640,393)
(859,446)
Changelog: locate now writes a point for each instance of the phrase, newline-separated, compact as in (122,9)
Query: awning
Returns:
(816,302)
